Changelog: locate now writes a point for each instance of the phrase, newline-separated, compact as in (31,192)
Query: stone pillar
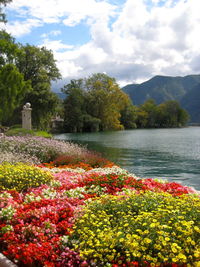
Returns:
(26,116)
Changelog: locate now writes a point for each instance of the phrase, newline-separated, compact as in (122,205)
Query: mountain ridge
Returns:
(163,88)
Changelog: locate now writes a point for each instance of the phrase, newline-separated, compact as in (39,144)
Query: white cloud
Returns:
(51,33)
(55,45)
(18,28)
(148,37)
(67,11)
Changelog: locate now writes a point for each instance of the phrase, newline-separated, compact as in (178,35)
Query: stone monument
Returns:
(26,116)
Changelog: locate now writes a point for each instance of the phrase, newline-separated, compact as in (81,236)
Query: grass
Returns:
(23,132)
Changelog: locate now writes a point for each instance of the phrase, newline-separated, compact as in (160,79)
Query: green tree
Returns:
(172,115)
(142,118)
(167,114)
(148,113)
(162,116)
(94,104)
(3,3)
(12,90)
(8,49)
(105,101)
(39,66)
(129,116)
(74,106)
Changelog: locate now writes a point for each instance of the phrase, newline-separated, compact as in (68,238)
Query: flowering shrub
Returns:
(87,160)
(74,166)
(21,176)
(44,149)
(87,216)
(18,157)
(153,227)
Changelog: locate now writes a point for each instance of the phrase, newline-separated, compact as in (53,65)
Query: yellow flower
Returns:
(147,240)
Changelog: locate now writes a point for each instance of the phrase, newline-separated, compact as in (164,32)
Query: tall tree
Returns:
(12,90)
(39,66)
(105,101)
(148,108)
(129,116)
(167,114)
(3,3)
(172,115)
(94,104)
(74,106)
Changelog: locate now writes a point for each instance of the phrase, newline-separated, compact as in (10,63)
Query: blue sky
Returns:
(131,40)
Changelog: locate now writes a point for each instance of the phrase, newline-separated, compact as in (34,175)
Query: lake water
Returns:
(172,154)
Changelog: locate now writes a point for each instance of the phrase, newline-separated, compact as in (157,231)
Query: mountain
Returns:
(163,88)
(191,102)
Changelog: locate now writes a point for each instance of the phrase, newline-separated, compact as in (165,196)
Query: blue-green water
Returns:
(173,154)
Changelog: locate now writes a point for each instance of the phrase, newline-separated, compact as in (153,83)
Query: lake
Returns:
(172,154)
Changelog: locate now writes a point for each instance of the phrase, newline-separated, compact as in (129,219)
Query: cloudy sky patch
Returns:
(131,40)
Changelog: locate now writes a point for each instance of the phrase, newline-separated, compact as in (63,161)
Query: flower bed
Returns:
(100,217)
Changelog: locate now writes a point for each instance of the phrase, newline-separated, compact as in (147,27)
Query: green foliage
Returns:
(38,65)
(8,48)
(38,68)
(105,101)
(148,115)
(21,176)
(161,88)
(12,90)
(43,134)
(74,106)
(164,88)
(94,104)
(16,131)
(129,116)
(168,114)
(97,103)
(19,132)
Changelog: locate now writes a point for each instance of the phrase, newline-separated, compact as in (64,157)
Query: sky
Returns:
(130,40)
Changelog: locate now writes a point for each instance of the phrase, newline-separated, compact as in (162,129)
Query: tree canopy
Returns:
(38,68)
(94,103)
(13,88)
(97,103)
(8,48)
(166,115)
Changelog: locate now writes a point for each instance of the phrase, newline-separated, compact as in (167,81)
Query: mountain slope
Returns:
(191,102)
(161,88)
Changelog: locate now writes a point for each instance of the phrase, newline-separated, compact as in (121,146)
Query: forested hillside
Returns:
(191,102)
(164,88)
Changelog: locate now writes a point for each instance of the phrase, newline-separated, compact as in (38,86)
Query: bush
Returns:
(155,228)
(44,149)
(13,157)
(17,131)
(43,134)
(21,176)
(15,126)
(93,159)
